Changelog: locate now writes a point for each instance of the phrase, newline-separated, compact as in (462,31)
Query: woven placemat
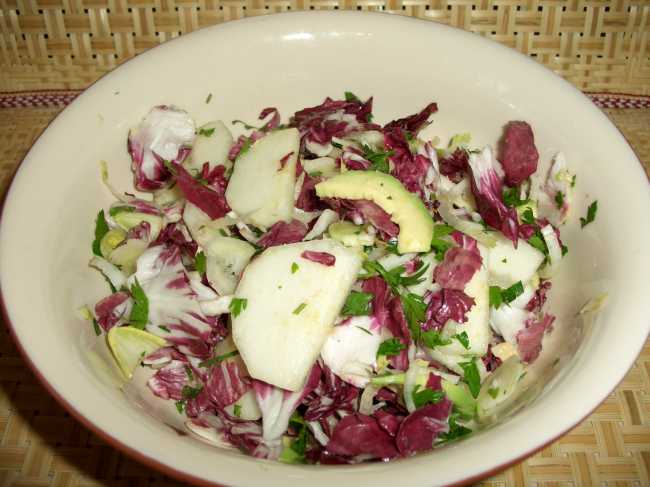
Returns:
(60,44)
(41,445)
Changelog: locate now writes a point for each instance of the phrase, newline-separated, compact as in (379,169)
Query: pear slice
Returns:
(291,306)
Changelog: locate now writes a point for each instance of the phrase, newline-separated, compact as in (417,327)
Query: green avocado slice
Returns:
(405,208)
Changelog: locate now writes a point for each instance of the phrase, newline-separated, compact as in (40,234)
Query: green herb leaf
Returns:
(294,268)
(528,217)
(573,181)
(180,405)
(511,197)
(442,230)
(591,214)
(188,371)
(537,241)
(391,247)
(101,229)
(237,305)
(206,132)
(164,328)
(499,295)
(463,339)
(413,279)
(208,98)
(244,149)
(391,347)
(357,304)
(559,199)
(378,159)
(315,174)
(493,392)
(495,297)
(218,359)
(456,430)
(512,293)
(565,250)
(367,332)
(433,339)
(189,392)
(349,96)
(237,410)
(415,310)
(140,310)
(299,308)
(440,247)
(426,396)
(98,330)
(200,263)
(471,377)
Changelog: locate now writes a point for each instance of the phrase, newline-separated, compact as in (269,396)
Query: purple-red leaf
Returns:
(284,233)
(529,340)
(517,152)
(211,202)
(324,258)
(457,268)
(358,434)
(447,304)
(420,428)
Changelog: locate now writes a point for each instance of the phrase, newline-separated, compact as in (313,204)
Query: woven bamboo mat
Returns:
(598,45)
(41,445)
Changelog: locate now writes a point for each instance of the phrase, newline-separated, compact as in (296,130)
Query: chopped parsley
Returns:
(367,332)
(415,310)
(218,359)
(456,430)
(463,339)
(559,199)
(237,305)
(511,197)
(206,132)
(140,310)
(426,396)
(208,98)
(391,347)
(432,339)
(295,452)
(189,392)
(493,392)
(591,214)
(573,181)
(440,246)
(98,330)
(528,217)
(101,229)
(188,371)
(180,405)
(378,160)
(357,304)
(394,277)
(349,96)
(498,295)
(237,410)
(537,241)
(164,328)
(294,268)
(299,308)
(471,377)
(244,148)
(315,174)
(200,263)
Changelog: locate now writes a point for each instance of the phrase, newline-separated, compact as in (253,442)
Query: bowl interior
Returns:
(292,61)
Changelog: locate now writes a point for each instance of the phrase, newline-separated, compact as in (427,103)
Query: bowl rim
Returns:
(184,476)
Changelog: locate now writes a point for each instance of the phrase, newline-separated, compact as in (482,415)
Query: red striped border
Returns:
(53,98)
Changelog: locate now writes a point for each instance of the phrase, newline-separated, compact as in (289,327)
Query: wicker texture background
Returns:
(41,445)
(598,45)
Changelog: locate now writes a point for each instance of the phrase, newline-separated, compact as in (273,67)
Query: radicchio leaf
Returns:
(529,340)
(282,233)
(358,434)
(165,134)
(420,428)
(213,203)
(487,188)
(517,152)
(444,305)
(457,268)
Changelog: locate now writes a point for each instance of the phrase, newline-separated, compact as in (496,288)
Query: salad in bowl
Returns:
(329,289)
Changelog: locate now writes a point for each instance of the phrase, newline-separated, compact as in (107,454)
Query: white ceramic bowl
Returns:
(291,61)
